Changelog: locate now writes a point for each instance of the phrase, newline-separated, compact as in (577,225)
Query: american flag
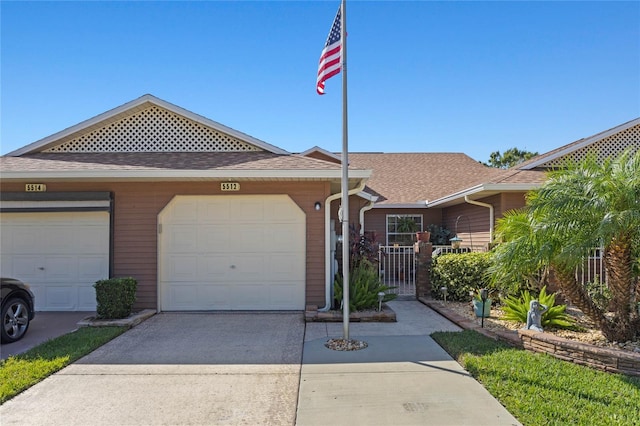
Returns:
(330,59)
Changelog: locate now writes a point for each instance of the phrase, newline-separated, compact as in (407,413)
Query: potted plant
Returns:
(406,225)
(481,303)
(423,236)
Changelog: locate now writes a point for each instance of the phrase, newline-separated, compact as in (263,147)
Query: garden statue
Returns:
(534,316)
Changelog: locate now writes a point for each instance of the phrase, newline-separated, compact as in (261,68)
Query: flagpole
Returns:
(345,177)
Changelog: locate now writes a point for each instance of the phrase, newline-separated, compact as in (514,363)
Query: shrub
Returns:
(439,235)
(115,297)
(361,247)
(364,286)
(599,294)
(516,309)
(461,273)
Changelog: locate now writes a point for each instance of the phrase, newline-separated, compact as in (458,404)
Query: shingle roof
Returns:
(519,176)
(412,178)
(162,161)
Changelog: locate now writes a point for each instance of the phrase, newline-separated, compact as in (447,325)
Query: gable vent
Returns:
(611,146)
(154,129)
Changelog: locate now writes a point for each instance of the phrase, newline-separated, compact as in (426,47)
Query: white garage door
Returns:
(232,253)
(61,255)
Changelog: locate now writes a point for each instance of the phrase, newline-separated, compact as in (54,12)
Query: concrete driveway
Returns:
(177,368)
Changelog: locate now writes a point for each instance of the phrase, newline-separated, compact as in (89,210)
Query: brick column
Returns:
(423,269)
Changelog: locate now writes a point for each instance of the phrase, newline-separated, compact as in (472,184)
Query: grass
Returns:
(541,390)
(19,372)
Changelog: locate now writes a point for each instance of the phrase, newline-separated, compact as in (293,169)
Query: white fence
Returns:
(397,267)
(593,271)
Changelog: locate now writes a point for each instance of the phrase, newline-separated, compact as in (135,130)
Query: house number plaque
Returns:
(35,187)
(230,186)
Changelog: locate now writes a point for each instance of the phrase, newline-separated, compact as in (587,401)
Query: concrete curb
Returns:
(311,314)
(510,338)
(131,321)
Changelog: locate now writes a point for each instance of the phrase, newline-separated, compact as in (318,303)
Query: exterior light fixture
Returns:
(443,290)
(380,297)
(317,205)
(484,295)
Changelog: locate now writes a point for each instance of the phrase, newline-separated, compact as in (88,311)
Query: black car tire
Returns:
(15,319)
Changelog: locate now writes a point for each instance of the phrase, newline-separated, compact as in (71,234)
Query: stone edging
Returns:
(311,314)
(131,321)
(605,359)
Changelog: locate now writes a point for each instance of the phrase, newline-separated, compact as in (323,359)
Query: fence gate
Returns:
(397,269)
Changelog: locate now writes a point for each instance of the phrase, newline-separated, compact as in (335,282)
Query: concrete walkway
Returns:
(402,378)
(263,369)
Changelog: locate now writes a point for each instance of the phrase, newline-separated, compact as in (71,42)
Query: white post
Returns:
(345,177)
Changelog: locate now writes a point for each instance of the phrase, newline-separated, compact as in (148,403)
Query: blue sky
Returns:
(424,76)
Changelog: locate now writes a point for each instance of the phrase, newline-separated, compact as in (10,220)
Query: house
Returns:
(454,191)
(476,207)
(208,218)
(203,216)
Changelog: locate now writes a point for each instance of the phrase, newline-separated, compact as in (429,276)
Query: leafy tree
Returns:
(510,158)
(582,205)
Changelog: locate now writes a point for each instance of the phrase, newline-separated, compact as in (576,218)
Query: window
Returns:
(402,228)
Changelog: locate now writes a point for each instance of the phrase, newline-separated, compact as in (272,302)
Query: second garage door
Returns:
(244,252)
(61,255)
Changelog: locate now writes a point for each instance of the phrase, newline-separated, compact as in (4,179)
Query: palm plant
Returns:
(583,205)
(516,309)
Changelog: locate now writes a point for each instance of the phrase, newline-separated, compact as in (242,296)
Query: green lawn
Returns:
(20,372)
(541,390)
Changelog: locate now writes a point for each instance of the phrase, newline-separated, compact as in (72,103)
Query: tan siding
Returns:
(136,207)
(476,218)
(473,225)
(511,201)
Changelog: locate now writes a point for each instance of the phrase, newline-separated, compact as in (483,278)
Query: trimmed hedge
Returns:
(115,297)
(461,273)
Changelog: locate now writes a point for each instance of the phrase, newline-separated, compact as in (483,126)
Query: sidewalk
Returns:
(402,378)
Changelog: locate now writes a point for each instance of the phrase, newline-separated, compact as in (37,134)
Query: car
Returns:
(18,303)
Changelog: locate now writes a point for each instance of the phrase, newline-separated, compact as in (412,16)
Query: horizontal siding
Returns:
(474,226)
(511,201)
(474,223)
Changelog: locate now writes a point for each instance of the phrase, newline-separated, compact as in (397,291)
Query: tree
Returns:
(510,158)
(584,205)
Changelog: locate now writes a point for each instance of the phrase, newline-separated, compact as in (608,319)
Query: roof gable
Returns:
(609,143)
(148,124)
(321,154)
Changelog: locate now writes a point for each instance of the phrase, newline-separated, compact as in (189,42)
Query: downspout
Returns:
(491,219)
(362,211)
(327,243)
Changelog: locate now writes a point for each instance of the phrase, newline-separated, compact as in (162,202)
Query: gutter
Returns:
(491,218)
(327,242)
(485,187)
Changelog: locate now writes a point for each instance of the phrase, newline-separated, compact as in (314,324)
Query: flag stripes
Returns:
(330,58)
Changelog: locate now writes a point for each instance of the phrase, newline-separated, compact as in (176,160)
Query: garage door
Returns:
(61,255)
(232,253)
